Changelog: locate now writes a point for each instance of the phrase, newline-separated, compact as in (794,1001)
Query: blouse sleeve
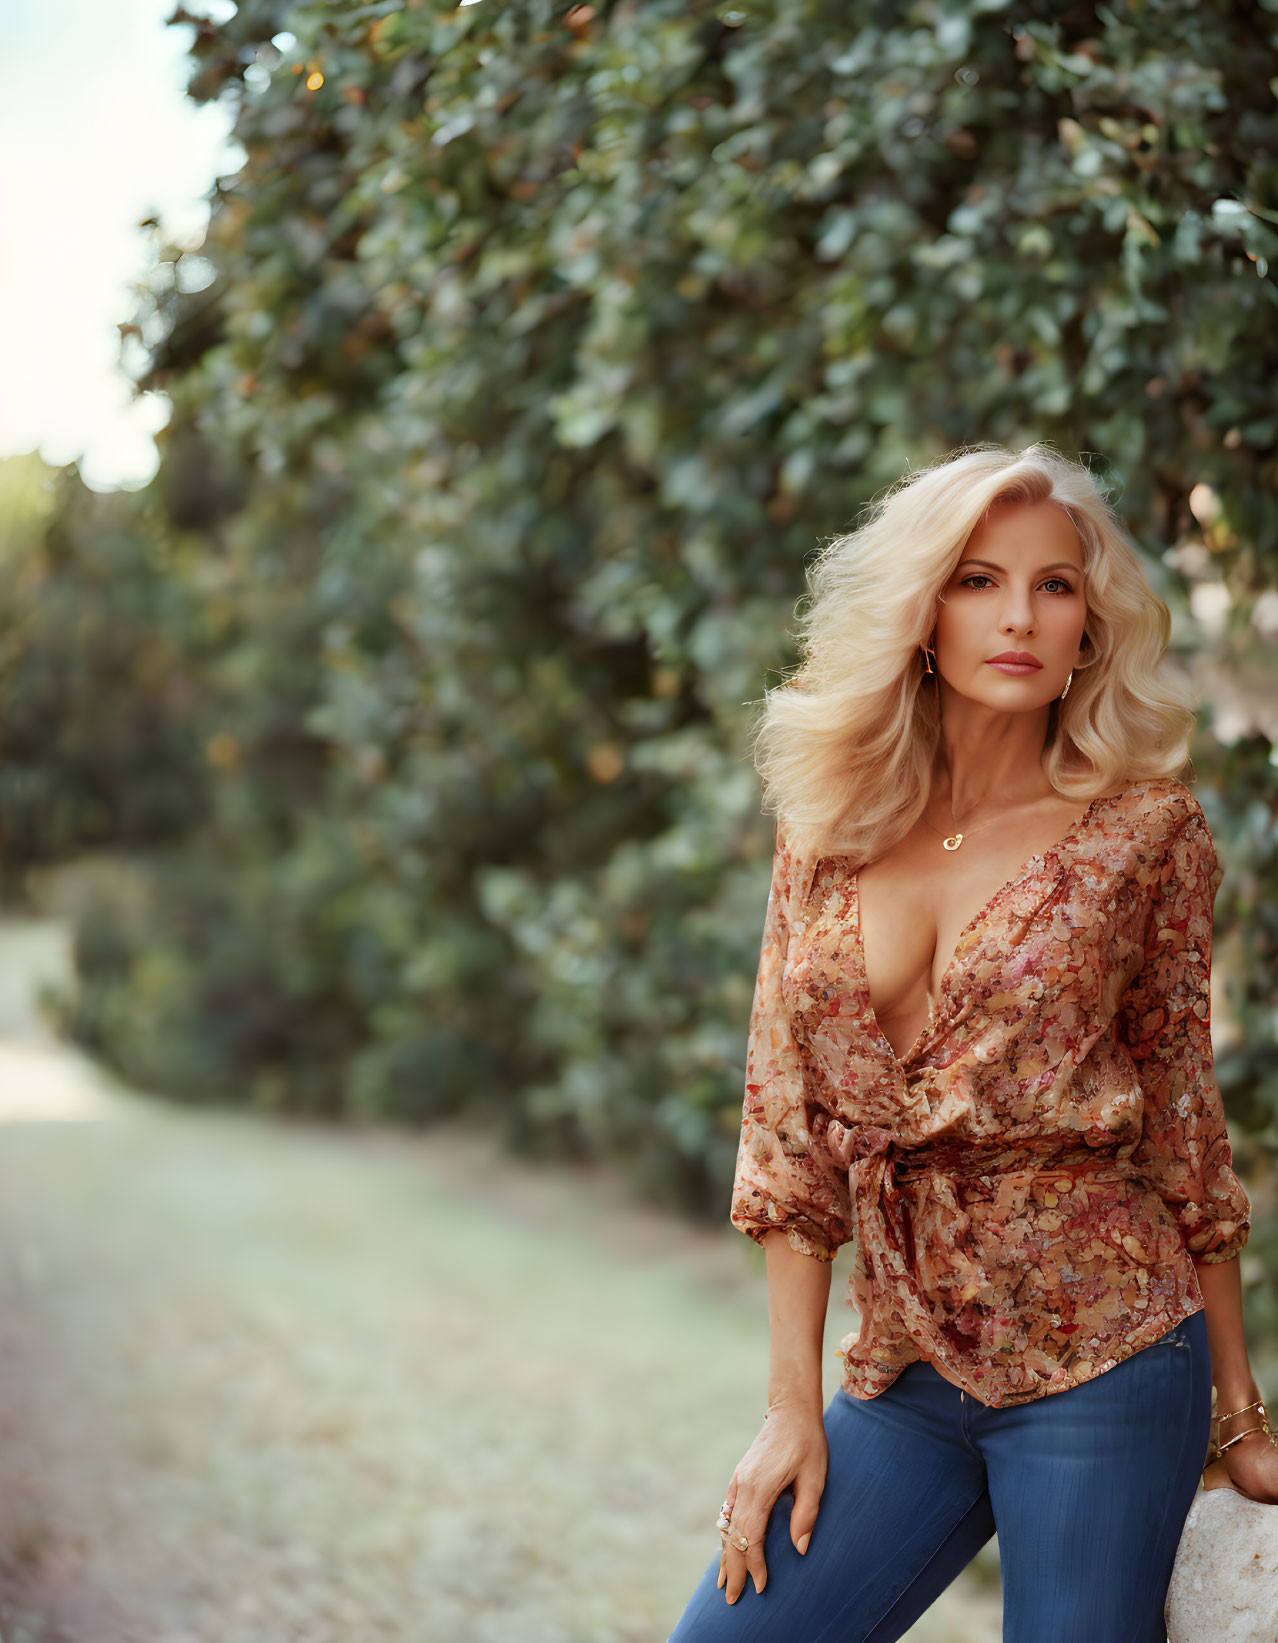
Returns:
(1165,1022)
(781,1179)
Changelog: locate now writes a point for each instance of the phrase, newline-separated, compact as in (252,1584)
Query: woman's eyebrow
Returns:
(1056,564)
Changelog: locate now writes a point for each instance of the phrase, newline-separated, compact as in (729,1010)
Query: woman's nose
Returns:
(1017,612)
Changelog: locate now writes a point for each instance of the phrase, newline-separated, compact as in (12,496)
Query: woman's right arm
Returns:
(790,1449)
(783,1181)
(785,1198)
(798,1297)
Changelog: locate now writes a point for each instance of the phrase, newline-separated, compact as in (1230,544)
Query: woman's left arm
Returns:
(1253,1463)
(1184,1151)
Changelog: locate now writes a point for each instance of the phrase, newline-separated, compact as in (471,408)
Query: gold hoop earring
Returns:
(929,659)
(1068,683)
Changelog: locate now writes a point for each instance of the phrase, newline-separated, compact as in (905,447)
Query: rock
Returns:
(1224,1587)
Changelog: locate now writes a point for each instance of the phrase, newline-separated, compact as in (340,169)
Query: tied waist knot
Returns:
(846,1145)
(868,1148)
(869,1155)
(877,1165)
(885,1237)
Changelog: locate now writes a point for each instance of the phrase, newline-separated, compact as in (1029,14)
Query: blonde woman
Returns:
(980,1048)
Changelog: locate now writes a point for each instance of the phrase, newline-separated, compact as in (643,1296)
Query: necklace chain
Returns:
(952,840)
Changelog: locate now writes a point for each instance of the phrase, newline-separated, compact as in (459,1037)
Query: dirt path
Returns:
(264,1382)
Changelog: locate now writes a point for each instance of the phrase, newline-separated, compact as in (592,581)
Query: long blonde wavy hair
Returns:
(845,747)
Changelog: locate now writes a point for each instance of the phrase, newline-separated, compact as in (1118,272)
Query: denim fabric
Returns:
(1088,1490)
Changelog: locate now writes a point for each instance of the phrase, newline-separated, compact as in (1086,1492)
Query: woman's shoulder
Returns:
(1154,809)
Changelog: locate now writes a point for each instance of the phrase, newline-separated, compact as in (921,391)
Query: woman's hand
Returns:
(791,1450)
(1253,1465)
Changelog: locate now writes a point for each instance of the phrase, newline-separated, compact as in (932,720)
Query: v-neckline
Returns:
(1022,873)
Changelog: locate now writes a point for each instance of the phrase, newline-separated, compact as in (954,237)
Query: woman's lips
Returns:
(1016,667)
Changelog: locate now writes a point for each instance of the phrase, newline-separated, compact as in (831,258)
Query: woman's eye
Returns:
(1056,583)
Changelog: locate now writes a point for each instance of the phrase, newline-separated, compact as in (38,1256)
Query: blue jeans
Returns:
(1088,1489)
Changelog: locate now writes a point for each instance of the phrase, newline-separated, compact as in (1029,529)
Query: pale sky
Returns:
(95,134)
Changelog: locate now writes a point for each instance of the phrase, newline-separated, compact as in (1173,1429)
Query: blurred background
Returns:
(417,420)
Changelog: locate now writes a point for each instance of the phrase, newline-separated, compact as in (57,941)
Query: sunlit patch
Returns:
(40,1084)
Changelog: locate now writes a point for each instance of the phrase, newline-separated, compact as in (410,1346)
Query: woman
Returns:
(980,1047)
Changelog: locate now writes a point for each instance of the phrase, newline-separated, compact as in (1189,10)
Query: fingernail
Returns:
(803,1542)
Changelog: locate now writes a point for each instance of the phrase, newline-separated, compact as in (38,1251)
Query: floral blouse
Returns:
(1030,1184)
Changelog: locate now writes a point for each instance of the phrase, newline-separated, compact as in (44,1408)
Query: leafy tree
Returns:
(540,348)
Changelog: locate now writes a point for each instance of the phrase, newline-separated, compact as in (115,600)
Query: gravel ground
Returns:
(264,1382)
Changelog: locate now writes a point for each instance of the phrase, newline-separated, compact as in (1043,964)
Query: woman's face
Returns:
(1017,589)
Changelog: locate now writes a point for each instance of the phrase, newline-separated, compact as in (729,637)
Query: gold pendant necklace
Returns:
(951,841)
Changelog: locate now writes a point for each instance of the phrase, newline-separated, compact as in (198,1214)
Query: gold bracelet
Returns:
(1239,1436)
(1259,1404)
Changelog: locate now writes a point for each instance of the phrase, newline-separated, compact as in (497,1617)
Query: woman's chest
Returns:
(1041,959)
(915,905)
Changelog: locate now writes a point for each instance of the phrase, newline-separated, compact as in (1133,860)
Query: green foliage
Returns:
(541,347)
(98,656)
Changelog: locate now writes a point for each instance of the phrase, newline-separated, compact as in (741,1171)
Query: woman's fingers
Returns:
(809,1486)
(748,1520)
(729,1504)
(755,1564)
